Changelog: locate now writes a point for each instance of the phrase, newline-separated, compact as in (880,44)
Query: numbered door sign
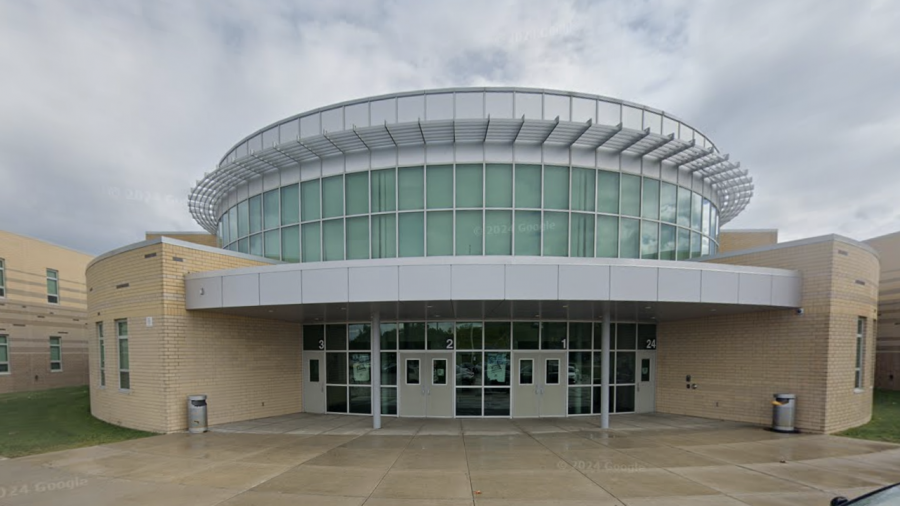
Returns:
(649,344)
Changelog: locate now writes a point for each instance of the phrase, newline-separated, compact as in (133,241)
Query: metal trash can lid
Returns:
(784,396)
(196,397)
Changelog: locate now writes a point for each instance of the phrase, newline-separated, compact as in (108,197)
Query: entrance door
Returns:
(426,385)
(539,384)
(645,391)
(313,382)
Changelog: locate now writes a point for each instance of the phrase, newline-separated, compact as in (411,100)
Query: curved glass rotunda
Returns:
(498,248)
(473,172)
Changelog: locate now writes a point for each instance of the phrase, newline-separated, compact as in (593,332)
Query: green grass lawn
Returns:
(885,424)
(50,420)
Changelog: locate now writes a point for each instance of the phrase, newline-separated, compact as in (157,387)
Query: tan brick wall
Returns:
(887,367)
(201,238)
(738,240)
(28,320)
(739,361)
(248,367)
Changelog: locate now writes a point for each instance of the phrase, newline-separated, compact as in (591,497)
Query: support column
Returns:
(604,367)
(376,370)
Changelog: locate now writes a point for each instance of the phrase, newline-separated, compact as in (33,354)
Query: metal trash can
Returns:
(197,414)
(783,412)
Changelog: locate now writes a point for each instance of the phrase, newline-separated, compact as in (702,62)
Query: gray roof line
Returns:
(463,89)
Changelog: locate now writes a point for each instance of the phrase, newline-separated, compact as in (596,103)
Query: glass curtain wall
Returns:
(482,351)
(474,209)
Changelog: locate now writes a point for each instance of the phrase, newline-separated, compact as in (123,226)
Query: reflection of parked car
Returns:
(887,496)
(574,375)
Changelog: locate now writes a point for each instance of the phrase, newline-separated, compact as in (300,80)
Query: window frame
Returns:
(4,343)
(2,278)
(119,338)
(54,277)
(101,350)
(58,346)
(859,381)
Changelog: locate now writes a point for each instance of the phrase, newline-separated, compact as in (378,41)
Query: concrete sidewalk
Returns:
(643,460)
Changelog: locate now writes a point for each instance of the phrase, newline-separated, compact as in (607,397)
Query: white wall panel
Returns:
(277,288)
(240,290)
(370,284)
(532,282)
(633,283)
(584,282)
(324,285)
(476,282)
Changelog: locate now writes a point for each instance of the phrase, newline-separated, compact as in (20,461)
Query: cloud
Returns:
(110,111)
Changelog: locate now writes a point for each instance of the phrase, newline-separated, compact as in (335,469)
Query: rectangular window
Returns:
(684,207)
(272,243)
(667,242)
(2,278)
(357,193)
(384,191)
(357,237)
(290,244)
(556,232)
(122,338)
(439,186)
(556,187)
(683,251)
(650,199)
(526,371)
(4,354)
(469,186)
(271,210)
(412,188)
(310,242)
(55,354)
(468,233)
(630,203)
(581,236)
(102,347)
(232,224)
(498,185)
(528,186)
(256,245)
(333,196)
(551,374)
(310,201)
(528,232)
(439,371)
(859,382)
(649,239)
(498,232)
(439,233)
(412,371)
(256,214)
(411,234)
(630,238)
(696,211)
(384,235)
(333,239)
(608,192)
(314,370)
(667,202)
(584,188)
(607,236)
(52,286)
(290,204)
(243,219)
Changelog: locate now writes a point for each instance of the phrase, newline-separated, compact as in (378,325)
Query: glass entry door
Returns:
(645,395)
(426,384)
(540,384)
(313,394)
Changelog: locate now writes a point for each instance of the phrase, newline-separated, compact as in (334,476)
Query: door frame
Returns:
(651,355)
(307,357)
(427,356)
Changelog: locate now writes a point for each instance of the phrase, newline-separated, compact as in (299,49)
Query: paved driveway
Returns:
(328,460)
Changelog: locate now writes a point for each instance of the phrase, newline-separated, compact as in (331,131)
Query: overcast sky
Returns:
(111,110)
